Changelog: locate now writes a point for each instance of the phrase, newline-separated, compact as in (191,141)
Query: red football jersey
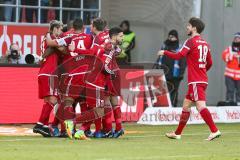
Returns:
(49,66)
(101,68)
(101,38)
(198,56)
(71,31)
(82,41)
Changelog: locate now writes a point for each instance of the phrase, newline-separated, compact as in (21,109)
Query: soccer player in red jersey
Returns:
(113,87)
(101,37)
(96,80)
(69,34)
(199,61)
(98,27)
(74,76)
(112,91)
(48,82)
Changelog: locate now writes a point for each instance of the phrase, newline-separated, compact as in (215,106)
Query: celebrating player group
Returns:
(80,68)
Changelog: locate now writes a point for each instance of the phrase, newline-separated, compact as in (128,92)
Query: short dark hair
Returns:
(99,24)
(114,31)
(126,22)
(198,23)
(53,24)
(78,24)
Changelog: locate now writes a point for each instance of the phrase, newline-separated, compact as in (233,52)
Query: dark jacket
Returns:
(168,64)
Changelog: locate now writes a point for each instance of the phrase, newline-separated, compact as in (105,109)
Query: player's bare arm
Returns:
(173,55)
(50,41)
(50,50)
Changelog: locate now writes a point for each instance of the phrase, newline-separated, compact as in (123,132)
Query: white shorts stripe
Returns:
(68,86)
(98,99)
(51,85)
(195,93)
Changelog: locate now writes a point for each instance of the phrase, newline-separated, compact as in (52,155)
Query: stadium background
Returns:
(151,20)
(148,19)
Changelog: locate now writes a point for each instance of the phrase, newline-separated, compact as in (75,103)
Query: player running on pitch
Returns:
(199,61)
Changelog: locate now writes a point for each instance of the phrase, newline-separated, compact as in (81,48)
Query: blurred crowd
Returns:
(28,12)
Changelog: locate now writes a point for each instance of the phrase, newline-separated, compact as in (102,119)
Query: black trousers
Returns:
(173,86)
(233,89)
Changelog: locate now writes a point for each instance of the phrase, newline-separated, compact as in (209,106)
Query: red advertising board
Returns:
(19,95)
(132,94)
(28,38)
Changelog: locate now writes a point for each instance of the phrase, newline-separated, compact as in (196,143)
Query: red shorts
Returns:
(47,86)
(113,86)
(196,92)
(72,85)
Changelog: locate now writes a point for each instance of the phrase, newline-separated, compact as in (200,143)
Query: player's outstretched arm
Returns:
(50,42)
(51,50)
(173,55)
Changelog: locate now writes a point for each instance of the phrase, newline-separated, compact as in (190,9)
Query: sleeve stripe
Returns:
(107,56)
(186,47)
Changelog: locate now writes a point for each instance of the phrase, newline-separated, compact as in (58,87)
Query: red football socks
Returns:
(107,122)
(182,122)
(207,117)
(98,124)
(85,125)
(45,114)
(118,117)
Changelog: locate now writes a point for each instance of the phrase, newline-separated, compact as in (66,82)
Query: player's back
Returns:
(81,41)
(197,59)
(101,38)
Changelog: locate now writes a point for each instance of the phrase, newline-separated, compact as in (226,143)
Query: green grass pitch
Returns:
(139,143)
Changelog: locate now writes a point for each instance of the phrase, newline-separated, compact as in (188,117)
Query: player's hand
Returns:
(160,53)
(41,60)
(71,47)
(48,36)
